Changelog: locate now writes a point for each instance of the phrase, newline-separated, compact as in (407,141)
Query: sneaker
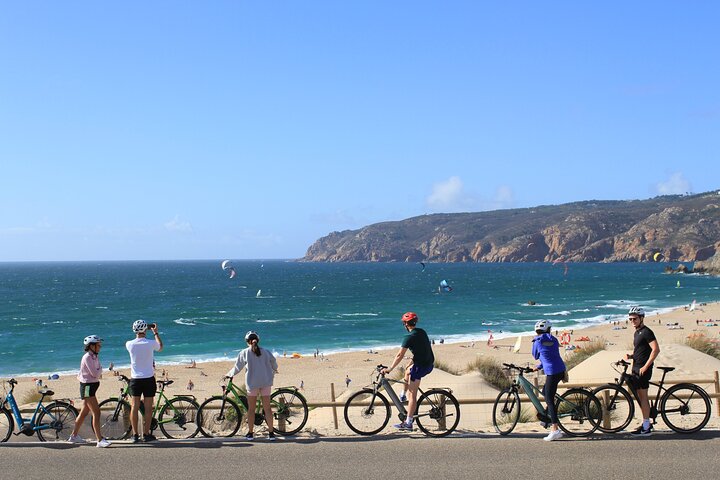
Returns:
(76,439)
(554,435)
(545,425)
(103,443)
(403,398)
(641,432)
(271,436)
(404,426)
(250,437)
(135,439)
(149,437)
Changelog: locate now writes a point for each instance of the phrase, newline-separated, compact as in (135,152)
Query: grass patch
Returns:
(588,350)
(446,367)
(704,344)
(491,370)
(33,397)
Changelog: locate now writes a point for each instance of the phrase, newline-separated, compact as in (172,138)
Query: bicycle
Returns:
(56,419)
(684,407)
(575,408)
(368,411)
(176,417)
(221,415)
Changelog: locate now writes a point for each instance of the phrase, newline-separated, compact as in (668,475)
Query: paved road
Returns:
(663,455)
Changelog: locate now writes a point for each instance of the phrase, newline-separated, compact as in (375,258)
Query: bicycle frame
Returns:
(162,399)
(624,381)
(533,393)
(239,395)
(23,422)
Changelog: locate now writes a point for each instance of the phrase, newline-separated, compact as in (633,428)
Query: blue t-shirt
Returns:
(546,348)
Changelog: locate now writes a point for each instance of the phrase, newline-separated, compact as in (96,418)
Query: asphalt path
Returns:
(517,456)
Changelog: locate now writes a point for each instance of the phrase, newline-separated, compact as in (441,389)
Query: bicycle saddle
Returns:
(45,391)
(166,382)
(666,369)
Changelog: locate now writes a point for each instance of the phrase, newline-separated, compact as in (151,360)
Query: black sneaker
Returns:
(249,437)
(642,432)
(149,437)
(135,439)
(271,436)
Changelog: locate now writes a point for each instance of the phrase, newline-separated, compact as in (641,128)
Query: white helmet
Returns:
(250,335)
(637,311)
(90,339)
(139,326)
(543,325)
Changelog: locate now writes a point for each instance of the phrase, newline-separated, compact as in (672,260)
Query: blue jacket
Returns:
(546,348)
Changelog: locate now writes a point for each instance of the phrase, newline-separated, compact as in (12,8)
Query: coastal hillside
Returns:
(679,227)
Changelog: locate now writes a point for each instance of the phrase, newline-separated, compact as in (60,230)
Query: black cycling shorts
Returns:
(641,382)
(143,387)
(88,390)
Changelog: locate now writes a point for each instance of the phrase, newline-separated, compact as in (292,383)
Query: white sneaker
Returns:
(554,435)
(76,439)
(103,443)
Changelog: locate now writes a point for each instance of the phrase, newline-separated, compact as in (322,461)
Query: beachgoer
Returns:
(261,369)
(646,350)
(111,366)
(190,385)
(546,349)
(421,364)
(347,381)
(142,376)
(302,384)
(89,376)
(192,364)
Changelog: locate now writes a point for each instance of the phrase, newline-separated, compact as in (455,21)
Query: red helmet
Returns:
(410,318)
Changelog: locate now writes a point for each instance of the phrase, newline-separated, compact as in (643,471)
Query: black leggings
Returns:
(549,391)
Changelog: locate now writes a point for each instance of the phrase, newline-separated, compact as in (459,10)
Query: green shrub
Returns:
(588,350)
(491,370)
(703,344)
(445,367)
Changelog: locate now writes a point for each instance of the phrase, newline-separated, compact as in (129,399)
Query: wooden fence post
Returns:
(717,391)
(332,397)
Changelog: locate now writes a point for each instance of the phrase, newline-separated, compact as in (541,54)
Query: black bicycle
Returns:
(684,407)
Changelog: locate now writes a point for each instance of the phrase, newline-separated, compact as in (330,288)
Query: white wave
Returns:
(102,308)
(535,305)
(359,314)
(267,321)
(556,314)
(222,311)
(185,321)
(581,310)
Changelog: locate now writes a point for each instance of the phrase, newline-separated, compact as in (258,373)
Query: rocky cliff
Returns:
(681,228)
(711,265)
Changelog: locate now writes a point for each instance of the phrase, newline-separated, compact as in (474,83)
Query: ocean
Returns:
(46,309)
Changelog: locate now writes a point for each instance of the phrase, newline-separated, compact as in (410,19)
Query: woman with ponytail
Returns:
(261,368)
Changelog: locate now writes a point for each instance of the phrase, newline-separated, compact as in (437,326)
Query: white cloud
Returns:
(177,225)
(446,195)
(451,196)
(677,184)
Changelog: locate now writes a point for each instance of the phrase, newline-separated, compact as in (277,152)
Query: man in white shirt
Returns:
(142,376)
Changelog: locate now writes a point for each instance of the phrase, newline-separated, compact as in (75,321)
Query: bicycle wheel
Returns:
(178,418)
(7,425)
(60,419)
(506,411)
(291,411)
(617,408)
(685,408)
(367,412)
(115,419)
(438,413)
(219,417)
(579,412)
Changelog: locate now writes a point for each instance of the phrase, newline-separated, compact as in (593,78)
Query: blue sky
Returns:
(201,130)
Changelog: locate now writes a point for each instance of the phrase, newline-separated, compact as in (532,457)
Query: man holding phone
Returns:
(142,376)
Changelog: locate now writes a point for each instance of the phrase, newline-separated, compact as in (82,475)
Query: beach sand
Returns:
(317,375)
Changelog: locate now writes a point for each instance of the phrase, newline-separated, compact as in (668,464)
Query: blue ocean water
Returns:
(46,309)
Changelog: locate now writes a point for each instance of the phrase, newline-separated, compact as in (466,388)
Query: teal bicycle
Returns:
(52,422)
(579,411)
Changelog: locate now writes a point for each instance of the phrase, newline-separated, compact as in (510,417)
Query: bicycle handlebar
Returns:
(520,369)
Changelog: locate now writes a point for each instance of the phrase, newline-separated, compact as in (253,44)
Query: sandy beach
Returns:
(317,374)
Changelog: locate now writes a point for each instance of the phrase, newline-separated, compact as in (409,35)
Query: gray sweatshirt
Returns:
(260,370)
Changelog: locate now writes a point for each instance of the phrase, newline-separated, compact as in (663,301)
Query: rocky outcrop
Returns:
(681,228)
(709,264)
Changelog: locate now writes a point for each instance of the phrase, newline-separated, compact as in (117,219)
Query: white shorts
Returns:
(260,392)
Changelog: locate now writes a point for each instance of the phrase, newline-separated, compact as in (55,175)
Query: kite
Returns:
(227,266)
(658,256)
(444,286)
